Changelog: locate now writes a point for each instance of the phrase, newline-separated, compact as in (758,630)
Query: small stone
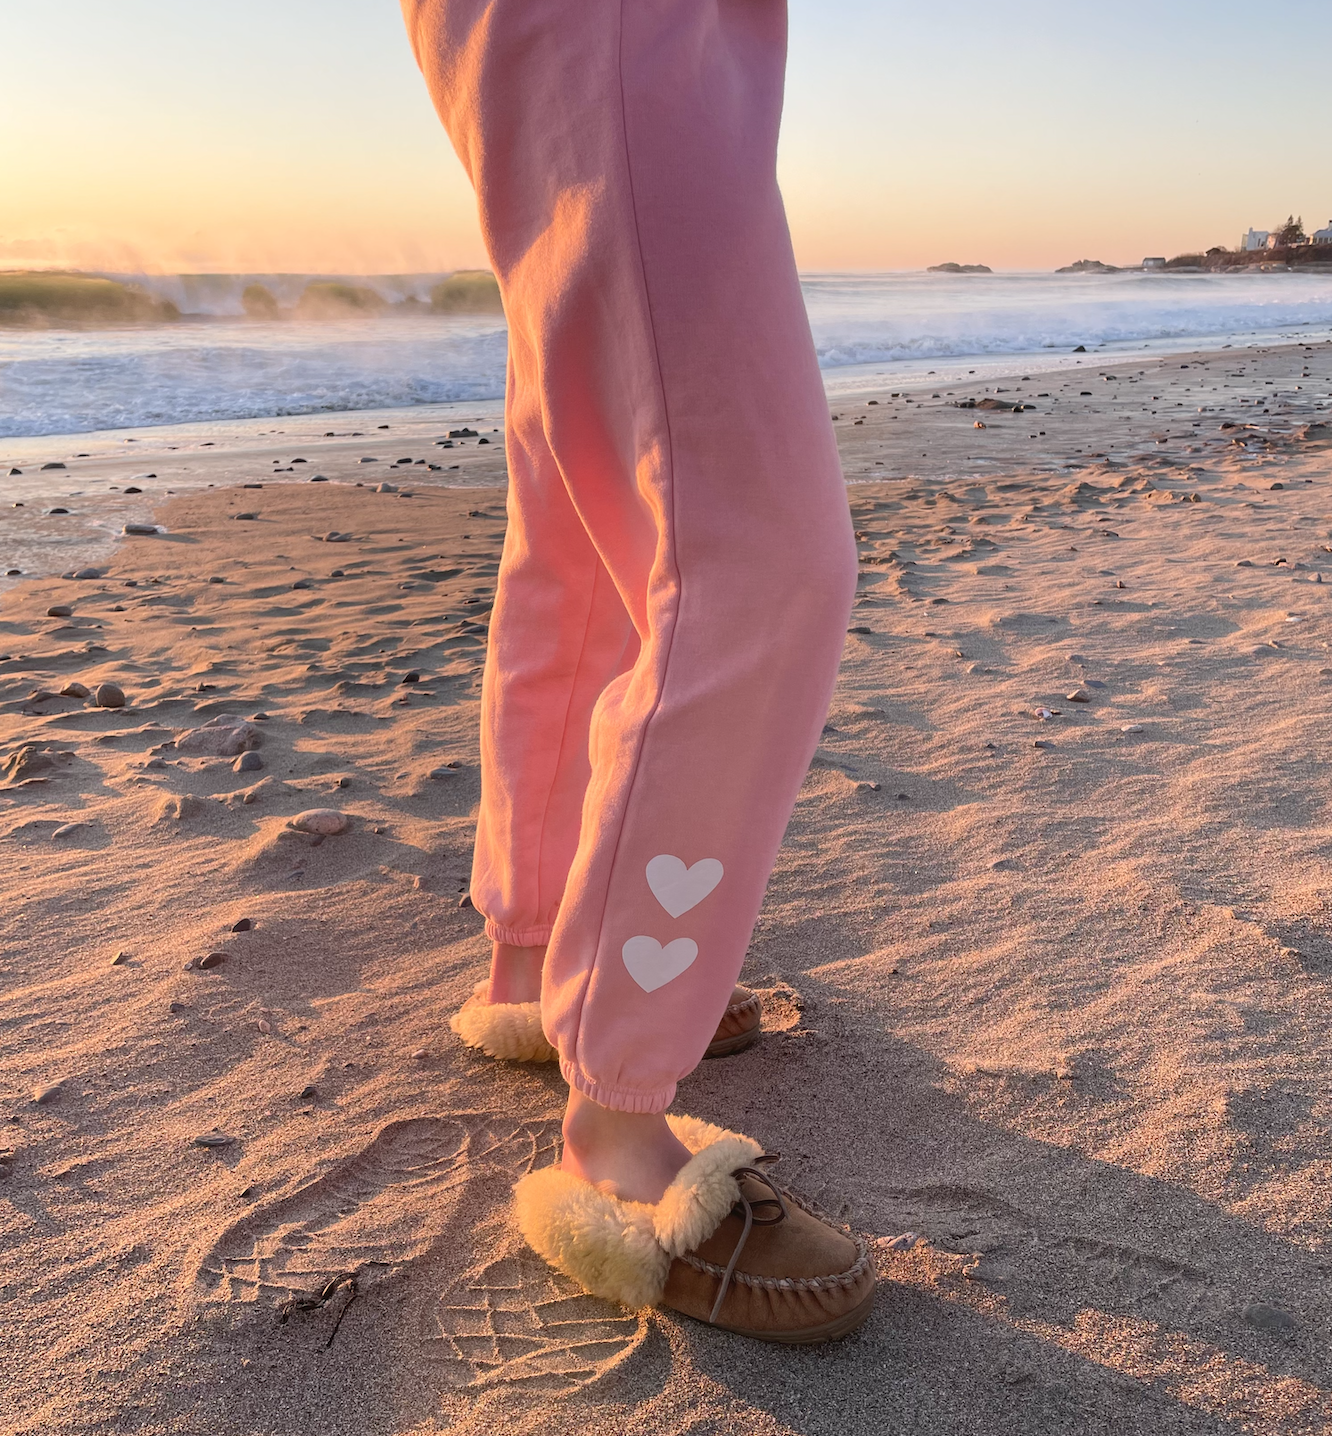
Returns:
(44,1095)
(244,925)
(222,737)
(318,479)
(60,610)
(74,690)
(1119,583)
(302,583)
(412,677)
(1040,743)
(109,695)
(344,781)
(89,572)
(65,829)
(217,579)
(120,959)
(1132,728)
(264,1026)
(52,466)
(420,1054)
(140,530)
(249,762)
(1077,697)
(245,516)
(132,489)
(903,1243)
(210,960)
(1276,486)
(1268,1318)
(213,1139)
(326,822)
(386,488)
(1044,714)
(465,900)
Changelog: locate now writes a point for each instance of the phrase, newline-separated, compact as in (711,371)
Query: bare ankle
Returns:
(515,973)
(633,1155)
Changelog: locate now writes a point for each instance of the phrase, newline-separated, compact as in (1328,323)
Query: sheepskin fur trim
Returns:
(503,1029)
(606,1245)
(704,1190)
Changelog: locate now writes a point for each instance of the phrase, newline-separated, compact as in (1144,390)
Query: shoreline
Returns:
(926,437)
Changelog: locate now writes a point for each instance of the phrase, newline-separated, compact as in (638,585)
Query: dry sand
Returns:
(1052,993)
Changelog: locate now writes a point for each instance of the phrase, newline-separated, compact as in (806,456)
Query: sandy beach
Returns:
(1045,960)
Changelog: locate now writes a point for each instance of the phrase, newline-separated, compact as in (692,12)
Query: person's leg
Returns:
(558,635)
(624,155)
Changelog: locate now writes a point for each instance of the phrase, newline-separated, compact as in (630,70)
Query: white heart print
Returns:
(652,966)
(678,888)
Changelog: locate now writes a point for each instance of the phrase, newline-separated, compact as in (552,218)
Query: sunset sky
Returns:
(295,135)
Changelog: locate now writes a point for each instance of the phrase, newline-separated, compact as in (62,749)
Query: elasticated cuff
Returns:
(518,936)
(619,1099)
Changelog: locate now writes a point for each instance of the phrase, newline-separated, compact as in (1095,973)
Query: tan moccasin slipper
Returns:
(513,1029)
(724,1245)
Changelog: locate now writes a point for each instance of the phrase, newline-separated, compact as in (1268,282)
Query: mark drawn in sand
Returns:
(427,1202)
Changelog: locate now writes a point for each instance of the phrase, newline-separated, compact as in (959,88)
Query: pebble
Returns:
(140,530)
(334,536)
(386,488)
(326,822)
(89,572)
(903,1243)
(1132,728)
(420,1054)
(446,772)
(42,1095)
(1268,1318)
(52,466)
(120,959)
(465,900)
(74,690)
(860,628)
(132,489)
(1043,713)
(249,762)
(216,579)
(245,516)
(264,1027)
(244,925)
(302,583)
(344,781)
(155,763)
(213,1139)
(222,737)
(1077,697)
(109,695)
(65,829)
(318,478)
(60,610)
(412,677)
(210,960)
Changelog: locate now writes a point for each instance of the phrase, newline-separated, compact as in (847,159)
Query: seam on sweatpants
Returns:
(564,727)
(674,529)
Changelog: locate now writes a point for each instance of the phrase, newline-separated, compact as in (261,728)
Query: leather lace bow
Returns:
(745,1208)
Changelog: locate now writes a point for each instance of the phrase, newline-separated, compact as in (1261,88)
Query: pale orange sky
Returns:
(155,136)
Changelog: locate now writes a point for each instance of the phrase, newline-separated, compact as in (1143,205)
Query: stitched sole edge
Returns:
(728,1046)
(833,1330)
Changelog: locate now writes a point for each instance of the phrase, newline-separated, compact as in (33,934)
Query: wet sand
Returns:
(1050,993)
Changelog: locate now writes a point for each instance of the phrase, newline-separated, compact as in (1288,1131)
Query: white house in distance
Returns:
(1256,239)
(1323,236)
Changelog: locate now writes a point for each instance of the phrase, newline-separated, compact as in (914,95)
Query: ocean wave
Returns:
(54,382)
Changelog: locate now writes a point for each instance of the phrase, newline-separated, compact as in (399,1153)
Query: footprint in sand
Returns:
(420,1218)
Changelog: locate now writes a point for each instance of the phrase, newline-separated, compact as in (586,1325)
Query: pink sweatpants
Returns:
(679,565)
